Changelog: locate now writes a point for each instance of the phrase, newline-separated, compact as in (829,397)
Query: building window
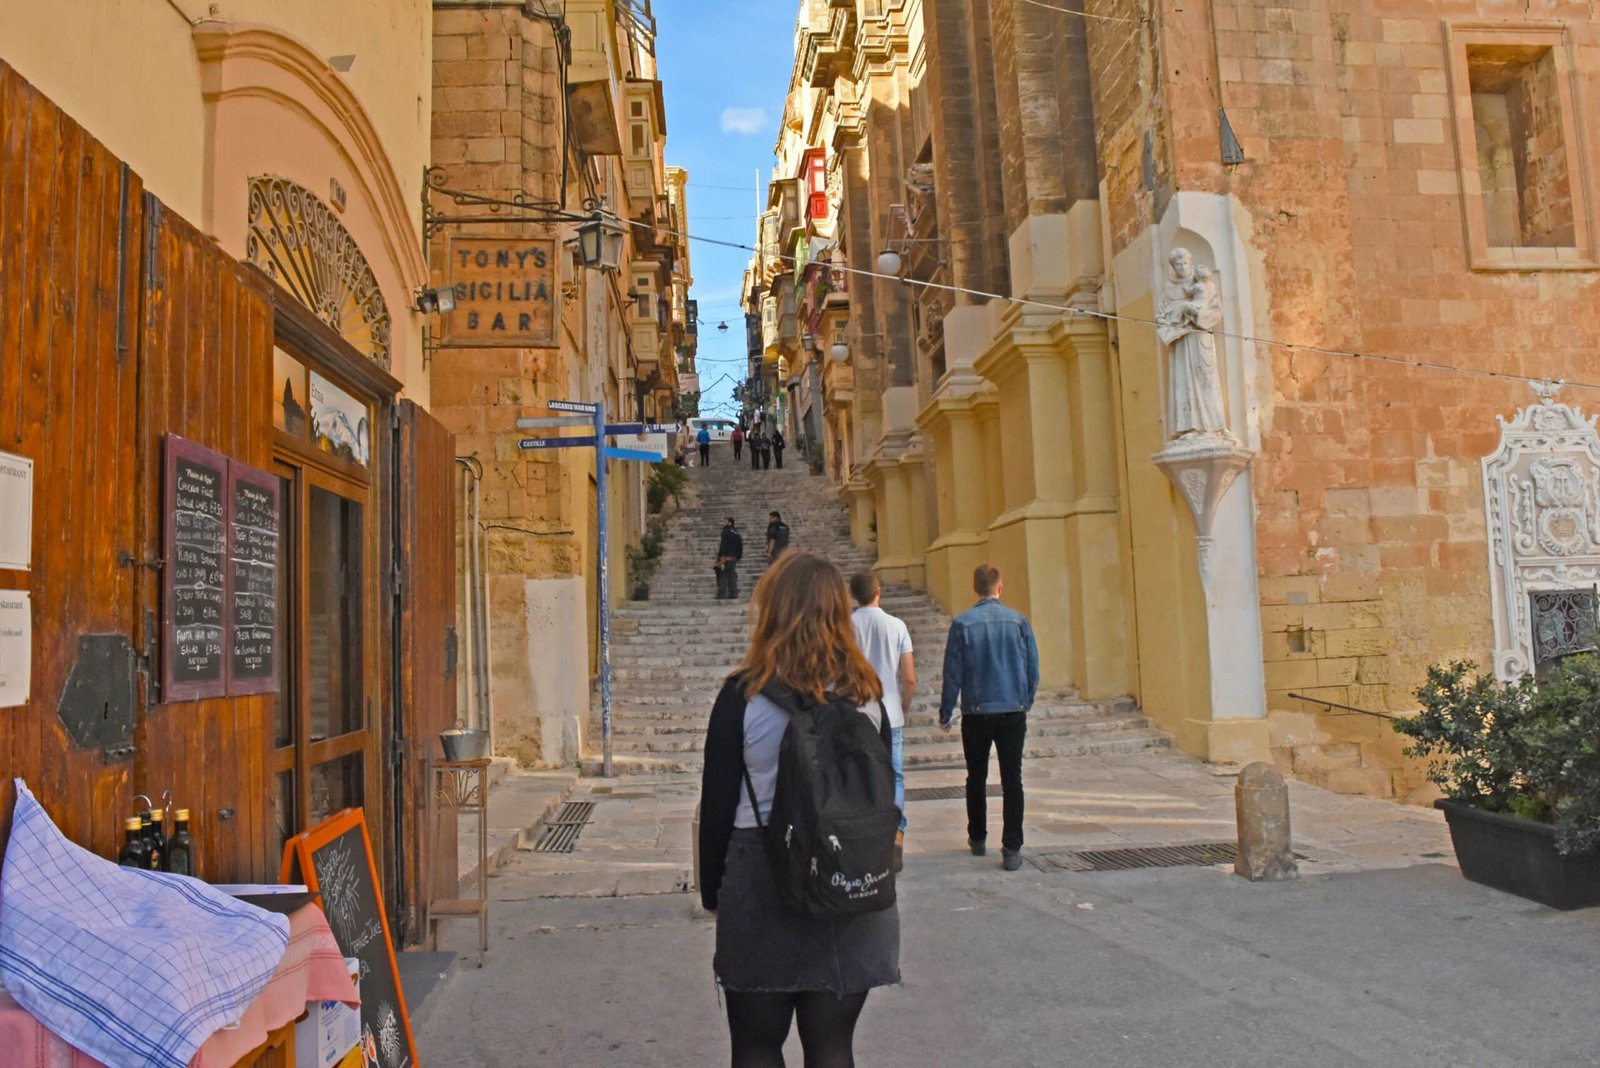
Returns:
(1516,125)
(641,139)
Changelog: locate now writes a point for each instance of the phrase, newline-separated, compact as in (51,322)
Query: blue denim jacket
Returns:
(991,660)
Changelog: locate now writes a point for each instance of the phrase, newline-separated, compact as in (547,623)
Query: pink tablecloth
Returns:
(312,969)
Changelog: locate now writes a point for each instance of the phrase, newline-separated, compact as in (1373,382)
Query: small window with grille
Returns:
(1564,624)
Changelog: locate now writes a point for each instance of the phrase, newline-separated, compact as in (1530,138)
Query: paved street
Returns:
(1379,954)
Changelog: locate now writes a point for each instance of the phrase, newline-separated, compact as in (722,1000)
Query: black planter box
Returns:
(1519,856)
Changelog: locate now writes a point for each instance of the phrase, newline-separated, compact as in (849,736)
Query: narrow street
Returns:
(601,955)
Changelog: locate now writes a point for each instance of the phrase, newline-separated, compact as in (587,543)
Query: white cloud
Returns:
(744,120)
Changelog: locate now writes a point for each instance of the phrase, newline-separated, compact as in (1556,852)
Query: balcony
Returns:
(830,47)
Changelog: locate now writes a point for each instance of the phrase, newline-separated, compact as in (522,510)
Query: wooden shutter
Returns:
(427,655)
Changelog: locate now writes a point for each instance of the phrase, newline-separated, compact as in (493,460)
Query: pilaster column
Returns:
(951,427)
(1098,590)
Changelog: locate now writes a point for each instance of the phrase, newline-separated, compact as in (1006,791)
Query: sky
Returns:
(724,68)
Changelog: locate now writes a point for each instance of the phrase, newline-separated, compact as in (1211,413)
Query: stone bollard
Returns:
(1265,850)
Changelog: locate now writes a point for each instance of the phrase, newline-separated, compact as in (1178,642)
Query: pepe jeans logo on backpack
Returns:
(859,888)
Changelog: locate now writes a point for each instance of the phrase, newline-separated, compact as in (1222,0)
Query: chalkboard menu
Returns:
(253,581)
(195,605)
(334,859)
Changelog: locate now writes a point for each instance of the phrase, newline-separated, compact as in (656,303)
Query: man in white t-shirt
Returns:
(887,645)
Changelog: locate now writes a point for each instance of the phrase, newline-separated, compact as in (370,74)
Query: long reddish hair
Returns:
(802,634)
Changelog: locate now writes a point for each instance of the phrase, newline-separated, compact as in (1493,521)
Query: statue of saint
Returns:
(1190,310)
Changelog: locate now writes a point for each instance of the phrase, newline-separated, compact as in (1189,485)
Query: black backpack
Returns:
(830,834)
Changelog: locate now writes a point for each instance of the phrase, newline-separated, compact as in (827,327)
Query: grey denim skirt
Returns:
(762,946)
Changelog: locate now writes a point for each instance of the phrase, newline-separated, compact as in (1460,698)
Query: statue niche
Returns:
(1190,309)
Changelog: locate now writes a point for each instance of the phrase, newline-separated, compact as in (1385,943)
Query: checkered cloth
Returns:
(132,967)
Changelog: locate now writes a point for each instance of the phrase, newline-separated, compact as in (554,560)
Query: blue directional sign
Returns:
(640,428)
(557,443)
(632,454)
(572,406)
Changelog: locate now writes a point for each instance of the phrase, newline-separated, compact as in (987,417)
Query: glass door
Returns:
(324,719)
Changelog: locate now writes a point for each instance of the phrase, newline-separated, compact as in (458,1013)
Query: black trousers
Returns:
(755,458)
(1006,732)
(728,580)
(777,454)
(766,458)
(738,447)
(705,456)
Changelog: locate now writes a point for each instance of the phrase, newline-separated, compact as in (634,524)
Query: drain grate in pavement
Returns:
(1198,854)
(561,833)
(945,793)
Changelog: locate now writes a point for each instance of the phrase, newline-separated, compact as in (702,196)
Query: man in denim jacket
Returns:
(991,661)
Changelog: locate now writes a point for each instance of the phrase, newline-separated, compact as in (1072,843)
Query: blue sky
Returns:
(724,67)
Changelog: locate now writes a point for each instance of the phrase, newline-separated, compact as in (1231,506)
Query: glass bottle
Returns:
(157,837)
(136,848)
(180,847)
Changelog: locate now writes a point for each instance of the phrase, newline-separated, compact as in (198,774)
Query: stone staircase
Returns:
(670,654)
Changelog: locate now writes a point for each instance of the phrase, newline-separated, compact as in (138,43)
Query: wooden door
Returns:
(428,655)
(204,374)
(71,227)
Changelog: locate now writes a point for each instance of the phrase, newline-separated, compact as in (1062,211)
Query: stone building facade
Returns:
(546,115)
(1238,298)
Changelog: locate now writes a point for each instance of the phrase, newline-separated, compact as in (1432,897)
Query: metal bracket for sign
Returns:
(517,208)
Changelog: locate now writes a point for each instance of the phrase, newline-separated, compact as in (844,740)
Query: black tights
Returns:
(759,1024)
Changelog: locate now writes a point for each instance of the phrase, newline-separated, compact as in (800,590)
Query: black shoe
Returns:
(1011,859)
(978,847)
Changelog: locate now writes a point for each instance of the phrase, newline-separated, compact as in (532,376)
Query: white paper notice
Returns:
(16,512)
(16,647)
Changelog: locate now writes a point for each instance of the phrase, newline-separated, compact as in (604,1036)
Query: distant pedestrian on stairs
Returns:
(738,441)
(777,536)
(730,550)
(704,438)
(777,447)
(753,439)
(766,450)
(991,662)
(886,643)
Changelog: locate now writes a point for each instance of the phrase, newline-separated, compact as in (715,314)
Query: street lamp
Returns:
(889,262)
(840,352)
(600,242)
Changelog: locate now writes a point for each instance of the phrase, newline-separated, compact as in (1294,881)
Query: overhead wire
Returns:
(1105,316)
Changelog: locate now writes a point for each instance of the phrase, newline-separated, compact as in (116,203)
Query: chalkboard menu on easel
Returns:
(253,580)
(334,860)
(194,607)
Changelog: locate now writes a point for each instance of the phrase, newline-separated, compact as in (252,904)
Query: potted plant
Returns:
(814,456)
(1519,765)
(641,569)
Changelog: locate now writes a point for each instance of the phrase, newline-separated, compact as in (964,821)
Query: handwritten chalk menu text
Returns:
(334,859)
(505,290)
(253,581)
(195,608)
(220,576)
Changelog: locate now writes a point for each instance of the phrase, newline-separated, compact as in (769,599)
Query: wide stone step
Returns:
(687,737)
(680,763)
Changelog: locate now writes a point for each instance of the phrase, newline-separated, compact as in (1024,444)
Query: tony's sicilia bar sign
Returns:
(505,290)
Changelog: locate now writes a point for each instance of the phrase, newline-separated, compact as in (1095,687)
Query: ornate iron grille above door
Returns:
(1564,623)
(302,246)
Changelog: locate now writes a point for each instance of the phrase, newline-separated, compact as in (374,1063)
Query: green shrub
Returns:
(666,481)
(1528,748)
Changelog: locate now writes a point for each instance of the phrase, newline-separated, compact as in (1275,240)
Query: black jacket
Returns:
(777,441)
(721,779)
(778,535)
(732,545)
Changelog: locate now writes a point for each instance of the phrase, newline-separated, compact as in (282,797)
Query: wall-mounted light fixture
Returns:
(431,299)
(890,261)
(600,242)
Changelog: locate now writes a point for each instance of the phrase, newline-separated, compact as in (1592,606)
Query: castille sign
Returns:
(505,290)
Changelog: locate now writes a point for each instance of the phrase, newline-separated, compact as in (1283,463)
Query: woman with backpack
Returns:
(797,825)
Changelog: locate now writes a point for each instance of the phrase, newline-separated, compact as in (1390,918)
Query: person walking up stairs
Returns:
(671,653)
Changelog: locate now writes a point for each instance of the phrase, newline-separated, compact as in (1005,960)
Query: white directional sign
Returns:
(16,512)
(16,647)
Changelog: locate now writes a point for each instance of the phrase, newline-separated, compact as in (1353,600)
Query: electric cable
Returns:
(1105,316)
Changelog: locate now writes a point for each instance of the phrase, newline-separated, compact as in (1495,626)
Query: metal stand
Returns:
(458,786)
